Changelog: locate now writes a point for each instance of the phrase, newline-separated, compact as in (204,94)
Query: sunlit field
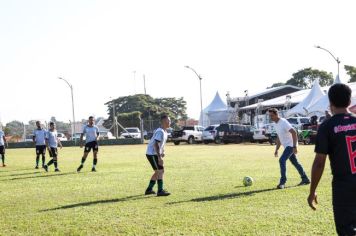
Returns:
(208,197)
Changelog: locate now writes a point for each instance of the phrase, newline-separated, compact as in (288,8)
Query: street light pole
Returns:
(335,58)
(144,83)
(73,122)
(114,118)
(201,96)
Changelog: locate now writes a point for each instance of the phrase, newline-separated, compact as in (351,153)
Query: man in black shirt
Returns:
(337,139)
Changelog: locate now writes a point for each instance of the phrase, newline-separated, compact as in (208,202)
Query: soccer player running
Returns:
(155,154)
(52,142)
(336,138)
(287,136)
(39,138)
(2,147)
(91,133)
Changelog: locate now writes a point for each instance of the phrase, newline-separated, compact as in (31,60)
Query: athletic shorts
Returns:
(41,149)
(53,152)
(91,145)
(153,159)
(2,150)
(345,220)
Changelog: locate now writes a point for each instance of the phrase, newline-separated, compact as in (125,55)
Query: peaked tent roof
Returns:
(314,95)
(215,112)
(216,105)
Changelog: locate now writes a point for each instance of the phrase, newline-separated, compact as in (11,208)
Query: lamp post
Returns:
(201,96)
(335,58)
(73,122)
(114,117)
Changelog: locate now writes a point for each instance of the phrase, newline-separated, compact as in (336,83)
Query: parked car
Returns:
(29,138)
(234,133)
(62,137)
(106,135)
(76,136)
(259,135)
(132,132)
(298,122)
(209,134)
(189,134)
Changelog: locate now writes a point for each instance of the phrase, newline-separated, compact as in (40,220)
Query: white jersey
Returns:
(90,133)
(2,135)
(52,139)
(40,136)
(282,129)
(159,136)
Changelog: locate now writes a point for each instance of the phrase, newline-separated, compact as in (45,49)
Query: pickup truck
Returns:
(189,134)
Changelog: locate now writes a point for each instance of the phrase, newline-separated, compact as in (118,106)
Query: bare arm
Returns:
(81,140)
(156,146)
(317,172)
(5,142)
(294,136)
(278,145)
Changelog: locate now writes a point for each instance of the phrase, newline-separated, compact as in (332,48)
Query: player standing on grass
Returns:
(52,142)
(155,154)
(337,138)
(39,137)
(2,147)
(91,133)
(287,137)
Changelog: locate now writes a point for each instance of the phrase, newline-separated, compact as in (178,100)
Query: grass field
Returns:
(205,181)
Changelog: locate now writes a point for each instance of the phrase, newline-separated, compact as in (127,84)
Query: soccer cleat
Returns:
(46,168)
(93,169)
(57,170)
(304,182)
(280,186)
(36,167)
(3,165)
(163,193)
(79,168)
(149,192)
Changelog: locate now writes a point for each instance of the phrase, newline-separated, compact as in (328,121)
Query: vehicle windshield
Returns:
(188,128)
(304,120)
(210,128)
(132,130)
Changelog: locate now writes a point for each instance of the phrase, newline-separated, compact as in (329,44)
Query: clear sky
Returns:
(96,45)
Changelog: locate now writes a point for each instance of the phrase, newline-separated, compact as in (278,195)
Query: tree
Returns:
(304,78)
(276,85)
(15,128)
(351,71)
(146,108)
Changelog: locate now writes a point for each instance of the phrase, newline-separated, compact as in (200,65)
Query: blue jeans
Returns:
(288,154)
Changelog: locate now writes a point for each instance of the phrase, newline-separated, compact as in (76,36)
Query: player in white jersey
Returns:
(52,142)
(91,133)
(2,147)
(39,138)
(155,154)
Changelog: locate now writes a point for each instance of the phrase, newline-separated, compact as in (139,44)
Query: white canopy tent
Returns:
(215,113)
(314,95)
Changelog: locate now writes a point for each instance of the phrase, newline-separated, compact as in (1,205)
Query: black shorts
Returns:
(40,149)
(91,145)
(153,159)
(2,150)
(345,220)
(53,152)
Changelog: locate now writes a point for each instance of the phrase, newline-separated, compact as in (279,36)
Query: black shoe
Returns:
(93,169)
(149,192)
(36,167)
(281,186)
(45,168)
(79,168)
(57,170)
(163,193)
(304,182)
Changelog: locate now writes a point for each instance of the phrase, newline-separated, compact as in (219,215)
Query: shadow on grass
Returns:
(30,173)
(84,204)
(228,196)
(4,171)
(45,175)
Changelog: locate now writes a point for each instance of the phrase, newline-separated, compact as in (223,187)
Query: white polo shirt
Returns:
(52,139)
(161,136)
(40,136)
(2,134)
(282,129)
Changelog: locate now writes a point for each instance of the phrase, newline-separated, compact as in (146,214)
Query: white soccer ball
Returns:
(247,181)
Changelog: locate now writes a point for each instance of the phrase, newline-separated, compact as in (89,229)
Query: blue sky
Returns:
(96,45)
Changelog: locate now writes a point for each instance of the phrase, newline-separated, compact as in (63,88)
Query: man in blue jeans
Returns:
(287,137)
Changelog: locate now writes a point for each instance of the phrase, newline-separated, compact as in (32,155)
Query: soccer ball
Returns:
(247,181)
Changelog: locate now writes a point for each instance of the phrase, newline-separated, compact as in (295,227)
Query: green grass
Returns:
(205,181)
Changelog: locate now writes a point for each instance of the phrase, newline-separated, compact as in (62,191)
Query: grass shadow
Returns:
(40,176)
(229,196)
(4,171)
(84,204)
(30,173)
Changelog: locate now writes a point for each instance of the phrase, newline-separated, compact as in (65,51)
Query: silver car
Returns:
(209,134)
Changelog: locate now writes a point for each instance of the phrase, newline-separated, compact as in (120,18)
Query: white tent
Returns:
(303,107)
(215,113)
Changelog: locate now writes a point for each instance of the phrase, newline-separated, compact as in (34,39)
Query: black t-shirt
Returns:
(337,138)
